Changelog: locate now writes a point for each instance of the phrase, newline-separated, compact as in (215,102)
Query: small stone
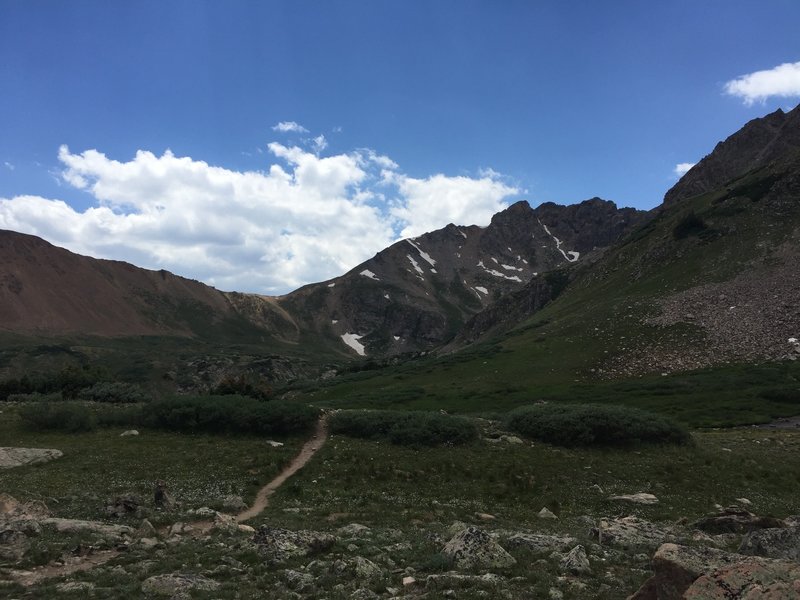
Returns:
(407,581)
(546,513)
(129,433)
(485,516)
(640,498)
(576,562)
(274,444)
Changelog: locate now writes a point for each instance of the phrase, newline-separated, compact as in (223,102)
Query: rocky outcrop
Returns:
(632,534)
(279,544)
(177,583)
(473,548)
(773,543)
(19,457)
(701,573)
(735,520)
(760,142)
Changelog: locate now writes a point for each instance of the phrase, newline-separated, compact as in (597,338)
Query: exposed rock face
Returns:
(773,543)
(735,520)
(473,548)
(699,573)
(759,142)
(418,292)
(19,457)
(172,584)
(576,562)
(632,534)
(280,544)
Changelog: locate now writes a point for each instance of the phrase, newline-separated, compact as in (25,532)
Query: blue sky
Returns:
(430,112)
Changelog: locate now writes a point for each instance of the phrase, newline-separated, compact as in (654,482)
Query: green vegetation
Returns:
(405,428)
(594,425)
(71,417)
(690,224)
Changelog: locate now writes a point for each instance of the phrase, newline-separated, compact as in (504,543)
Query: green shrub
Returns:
(35,397)
(114,392)
(412,428)
(593,425)
(62,416)
(690,224)
(228,414)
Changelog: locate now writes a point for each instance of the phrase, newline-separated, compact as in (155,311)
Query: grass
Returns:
(409,496)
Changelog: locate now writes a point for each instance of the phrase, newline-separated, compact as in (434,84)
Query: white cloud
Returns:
(289,127)
(431,203)
(782,81)
(306,218)
(319,143)
(9,166)
(682,168)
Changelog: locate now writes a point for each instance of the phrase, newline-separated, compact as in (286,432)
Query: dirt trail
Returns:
(85,563)
(306,453)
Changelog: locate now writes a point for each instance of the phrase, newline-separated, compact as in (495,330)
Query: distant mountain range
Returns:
(726,237)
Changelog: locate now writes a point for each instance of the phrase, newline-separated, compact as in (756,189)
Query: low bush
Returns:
(594,425)
(228,414)
(114,392)
(35,397)
(412,428)
(63,416)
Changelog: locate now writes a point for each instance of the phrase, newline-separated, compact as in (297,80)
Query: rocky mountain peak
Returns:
(760,142)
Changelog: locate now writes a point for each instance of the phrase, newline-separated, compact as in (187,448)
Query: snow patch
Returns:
(423,254)
(462,233)
(573,256)
(331,284)
(386,296)
(495,260)
(369,274)
(351,339)
(433,270)
(414,263)
(334,321)
(482,290)
(396,337)
(509,268)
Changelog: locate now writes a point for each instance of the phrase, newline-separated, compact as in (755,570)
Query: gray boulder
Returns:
(19,457)
(735,520)
(632,534)
(773,543)
(177,583)
(279,544)
(754,579)
(473,548)
(576,562)
(540,543)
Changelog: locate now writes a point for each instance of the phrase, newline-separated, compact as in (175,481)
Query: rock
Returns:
(129,433)
(13,544)
(359,568)
(146,530)
(735,520)
(10,508)
(632,534)
(576,562)
(408,581)
(485,516)
(545,513)
(353,530)
(555,594)
(123,505)
(773,543)
(454,579)
(540,543)
(748,580)
(225,524)
(203,512)
(744,501)
(298,581)
(274,444)
(473,548)
(280,544)
(112,533)
(175,583)
(511,439)
(70,587)
(148,543)
(233,504)
(19,457)
(161,497)
(640,498)
(364,594)
(246,528)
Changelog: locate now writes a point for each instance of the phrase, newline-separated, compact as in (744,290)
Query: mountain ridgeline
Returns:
(710,277)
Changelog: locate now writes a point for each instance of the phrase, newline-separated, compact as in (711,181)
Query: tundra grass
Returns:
(199,469)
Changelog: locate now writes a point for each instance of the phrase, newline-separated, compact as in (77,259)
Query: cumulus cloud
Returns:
(289,127)
(305,218)
(430,203)
(319,143)
(782,81)
(682,168)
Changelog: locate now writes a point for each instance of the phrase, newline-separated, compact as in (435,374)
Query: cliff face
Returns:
(760,142)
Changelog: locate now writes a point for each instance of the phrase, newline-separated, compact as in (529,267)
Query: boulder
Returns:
(748,580)
(112,533)
(279,544)
(13,544)
(129,433)
(632,534)
(576,562)
(773,543)
(546,513)
(126,504)
(540,543)
(353,530)
(19,457)
(233,504)
(640,498)
(177,583)
(735,520)
(473,548)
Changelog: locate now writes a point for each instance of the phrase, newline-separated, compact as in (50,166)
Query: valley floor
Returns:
(365,519)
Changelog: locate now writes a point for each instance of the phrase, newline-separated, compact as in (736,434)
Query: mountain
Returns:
(760,142)
(418,293)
